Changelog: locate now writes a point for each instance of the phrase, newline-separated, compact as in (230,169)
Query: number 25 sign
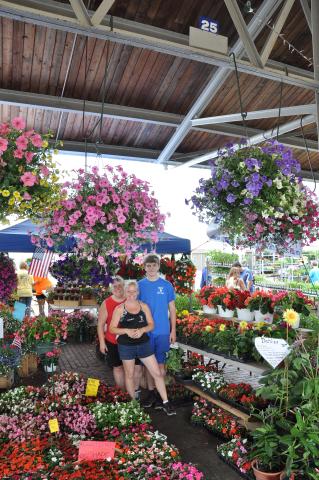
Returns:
(208,24)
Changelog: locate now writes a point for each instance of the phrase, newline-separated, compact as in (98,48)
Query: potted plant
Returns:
(174,362)
(261,303)
(243,313)
(205,298)
(50,360)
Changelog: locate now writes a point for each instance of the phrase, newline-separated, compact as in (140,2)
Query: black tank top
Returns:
(132,321)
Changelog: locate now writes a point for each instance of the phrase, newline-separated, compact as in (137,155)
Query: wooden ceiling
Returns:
(39,62)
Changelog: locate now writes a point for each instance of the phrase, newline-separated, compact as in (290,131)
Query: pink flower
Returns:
(3,144)
(36,140)
(22,142)
(18,153)
(49,242)
(101,260)
(28,179)
(29,156)
(18,123)
(4,128)
(26,196)
(45,171)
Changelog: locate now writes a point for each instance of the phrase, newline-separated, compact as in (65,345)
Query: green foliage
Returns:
(174,362)
(217,256)
(185,302)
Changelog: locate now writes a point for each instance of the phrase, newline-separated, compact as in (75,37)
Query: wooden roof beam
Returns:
(101,11)
(275,32)
(306,11)
(81,12)
(257,114)
(243,32)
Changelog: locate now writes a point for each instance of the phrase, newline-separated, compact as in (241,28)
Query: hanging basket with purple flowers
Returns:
(258,198)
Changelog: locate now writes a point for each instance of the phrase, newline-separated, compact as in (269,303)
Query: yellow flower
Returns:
(222,327)
(291,317)
(45,144)
(55,151)
(43,182)
(259,325)
(5,193)
(208,328)
(11,201)
(243,325)
(17,195)
(185,312)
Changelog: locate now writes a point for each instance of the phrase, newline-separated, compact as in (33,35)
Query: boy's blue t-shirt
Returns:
(157,295)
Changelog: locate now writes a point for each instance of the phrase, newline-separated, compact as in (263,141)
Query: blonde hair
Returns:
(23,266)
(128,283)
(234,272)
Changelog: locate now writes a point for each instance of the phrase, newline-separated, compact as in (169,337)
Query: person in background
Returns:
(314,273)
(41,284)
(132,321)
(234,281)
(247,276)
(24,286)
(159,295)
(107,340)
(206,278)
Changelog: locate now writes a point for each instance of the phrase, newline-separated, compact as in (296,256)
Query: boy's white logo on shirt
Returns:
(160,290)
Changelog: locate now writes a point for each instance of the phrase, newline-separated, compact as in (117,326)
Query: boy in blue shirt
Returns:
(159,295)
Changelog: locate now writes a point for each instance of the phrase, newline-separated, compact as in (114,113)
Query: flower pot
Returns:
(245,314)
(6,381)
(263,317)
(283,476)
(265,475)
(225,313)
(211,310)
(23,369)
(50,368)
(32,363)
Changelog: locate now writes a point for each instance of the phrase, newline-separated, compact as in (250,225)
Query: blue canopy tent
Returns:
(17,239)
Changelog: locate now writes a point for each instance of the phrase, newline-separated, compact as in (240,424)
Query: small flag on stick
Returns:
(40,262)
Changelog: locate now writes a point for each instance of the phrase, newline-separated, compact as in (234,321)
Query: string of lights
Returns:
(291,48)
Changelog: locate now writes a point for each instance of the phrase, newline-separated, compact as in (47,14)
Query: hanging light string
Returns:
(291,47)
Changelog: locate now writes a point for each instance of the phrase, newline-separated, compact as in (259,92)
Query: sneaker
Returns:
(138,395)
(150,400)
(168,409)
(158,404)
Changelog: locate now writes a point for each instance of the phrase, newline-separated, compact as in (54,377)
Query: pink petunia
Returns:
(29,156)
(3,144)
(26,196)
(28,179)
(22,142)
(18,153)
(36,140)
(4,128)
(45,171)
(18,123)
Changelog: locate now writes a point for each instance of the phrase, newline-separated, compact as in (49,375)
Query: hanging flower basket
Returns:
(28,176)
(8,277)
(109,214)
(257,197)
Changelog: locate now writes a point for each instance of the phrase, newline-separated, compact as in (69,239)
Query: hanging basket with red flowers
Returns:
(184,276)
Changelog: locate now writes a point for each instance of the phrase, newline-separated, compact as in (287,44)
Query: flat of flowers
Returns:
(231,465)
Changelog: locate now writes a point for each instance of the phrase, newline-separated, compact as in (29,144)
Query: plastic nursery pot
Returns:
(260,475)
(211,310)
(283,476)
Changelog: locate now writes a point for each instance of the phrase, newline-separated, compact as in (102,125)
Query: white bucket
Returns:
(207,309)
(263,317)
(225,313)
(245,314)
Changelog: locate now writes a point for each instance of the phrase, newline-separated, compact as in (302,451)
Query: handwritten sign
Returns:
(92,387)
(273,350)
(54,425)
(1,327)
(94,450)
(208,24)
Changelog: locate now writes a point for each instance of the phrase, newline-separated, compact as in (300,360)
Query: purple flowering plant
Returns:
(257,196)
(8,277)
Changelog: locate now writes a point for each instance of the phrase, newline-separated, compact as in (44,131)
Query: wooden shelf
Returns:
(243,418)
(248,367)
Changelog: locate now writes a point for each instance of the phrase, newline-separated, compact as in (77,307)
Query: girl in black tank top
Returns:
(132,321)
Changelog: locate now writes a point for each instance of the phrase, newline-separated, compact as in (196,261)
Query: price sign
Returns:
(208,24)
(54,425)
(273,350)
(1,327)
(94,450)
(92,387)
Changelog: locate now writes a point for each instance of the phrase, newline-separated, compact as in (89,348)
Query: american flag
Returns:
(17,342)
(40,262)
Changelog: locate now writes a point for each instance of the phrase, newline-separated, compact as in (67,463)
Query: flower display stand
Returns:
(65,303)
(6,381)
(88,301)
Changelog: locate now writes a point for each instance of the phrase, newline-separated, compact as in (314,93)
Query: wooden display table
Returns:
(248,367)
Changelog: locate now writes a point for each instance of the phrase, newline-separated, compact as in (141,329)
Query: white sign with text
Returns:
(1,327)
(273,350)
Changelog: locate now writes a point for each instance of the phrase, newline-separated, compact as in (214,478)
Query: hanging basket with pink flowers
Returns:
(28,176)
(109,213)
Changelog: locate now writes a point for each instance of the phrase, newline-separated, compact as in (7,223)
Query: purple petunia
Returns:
(231,198)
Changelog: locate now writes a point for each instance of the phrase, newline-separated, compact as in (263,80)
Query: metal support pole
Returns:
(315,49)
